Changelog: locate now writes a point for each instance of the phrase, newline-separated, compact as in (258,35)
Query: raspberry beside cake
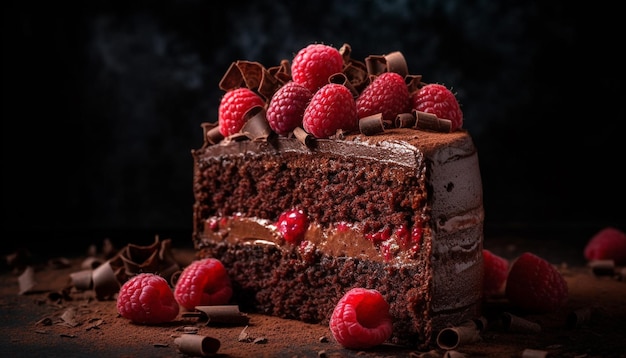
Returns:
(399,211)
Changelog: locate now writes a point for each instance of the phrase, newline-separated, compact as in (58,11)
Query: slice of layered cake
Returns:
(299,219)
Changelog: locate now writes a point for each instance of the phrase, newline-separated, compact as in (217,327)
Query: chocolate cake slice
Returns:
(400,211)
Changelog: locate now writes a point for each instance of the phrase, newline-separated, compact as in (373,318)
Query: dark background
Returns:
(102,104)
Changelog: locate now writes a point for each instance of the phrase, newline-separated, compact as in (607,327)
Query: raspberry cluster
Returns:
(312,98)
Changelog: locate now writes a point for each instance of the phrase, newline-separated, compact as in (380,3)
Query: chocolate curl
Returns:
(413,82)
(405,120)
(602,267)
(453,337)
(372,125)
(356,73)
(392,62)
(224,314)
(341,79)
(281,72)
(251,75)
(256,126)
(232,79)
(196,345)
(431,122)
(105,281)
(212,133)
(303,137)
(534,353)
(579,317)
(514,323)
(346,51)
(82,280)
(454,354)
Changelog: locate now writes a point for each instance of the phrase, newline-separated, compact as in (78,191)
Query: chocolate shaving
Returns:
(513,323)
(197,345)
(107,278)
(413,82)
(342,79)
(26,280)
(305,138)
(372,125)
(534,353)
(256,126)
(453,337)
(252,75)
(223,314)
(397,63)
(430,121)
(232,79)
(281,72)
(392,62)
(602,267)
(212,133)
(105,281)
(405,120)
(579,317)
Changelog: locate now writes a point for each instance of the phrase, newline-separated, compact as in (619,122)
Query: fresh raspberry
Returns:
(361,319)
(331,108)
(314,64)
(286,108)
(607,244)
(535,285)
(387,94)
(438,100)
(292,224)
(233,106)
(203,283)
(147,299)
(496,269)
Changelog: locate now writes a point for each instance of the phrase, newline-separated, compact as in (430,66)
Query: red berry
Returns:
(607,244)
(203,283)
(535,285)
(292,224)
(387,94)
(361,319)
(233,106)
(438,100)
(314,64)
(496,269)
(147,299)
(286,108)
(331,108)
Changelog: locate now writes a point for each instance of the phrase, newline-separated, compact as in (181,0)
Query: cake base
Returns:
(270,280)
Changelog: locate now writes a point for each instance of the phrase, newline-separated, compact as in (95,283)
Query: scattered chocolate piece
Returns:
(513,323)
(534,353)
(454,354)
(452,337)
(224,314)
(602,267)
(244,336)
(323,339)
(160,345)
(26,280)
(322,354)
(69,318)
(579,317)
(260,340)
(197,345)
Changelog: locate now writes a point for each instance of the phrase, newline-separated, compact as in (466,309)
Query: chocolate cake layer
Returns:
(362,195)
